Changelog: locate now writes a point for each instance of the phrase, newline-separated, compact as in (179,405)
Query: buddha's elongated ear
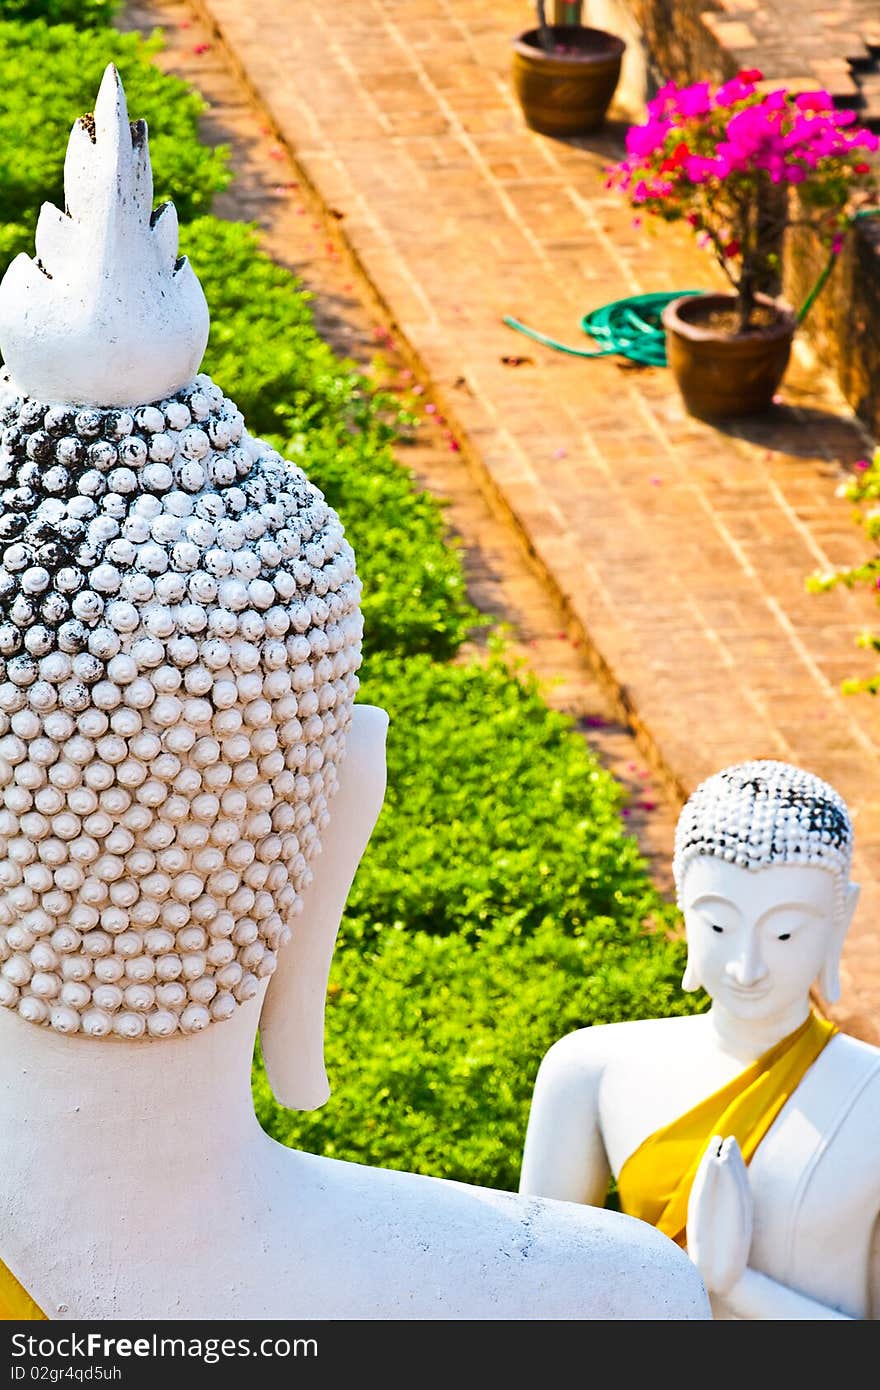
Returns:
(829,975)
(690,980)
(292,1018)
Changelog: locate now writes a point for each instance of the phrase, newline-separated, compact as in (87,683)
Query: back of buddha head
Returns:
(180,631)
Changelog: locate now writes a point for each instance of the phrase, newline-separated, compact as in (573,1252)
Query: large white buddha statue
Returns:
(187,790)
(750,1133)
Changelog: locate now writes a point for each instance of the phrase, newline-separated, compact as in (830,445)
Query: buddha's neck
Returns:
(79,1113)
(748,1038)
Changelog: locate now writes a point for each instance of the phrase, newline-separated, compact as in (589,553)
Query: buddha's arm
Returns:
(719,1235)
(564,1155)
(755,1296)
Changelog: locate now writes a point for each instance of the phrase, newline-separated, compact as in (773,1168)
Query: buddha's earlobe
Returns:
(829,975)
(292,1020)
(690,980)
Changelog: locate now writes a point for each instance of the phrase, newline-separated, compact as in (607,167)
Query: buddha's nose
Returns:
(747,967)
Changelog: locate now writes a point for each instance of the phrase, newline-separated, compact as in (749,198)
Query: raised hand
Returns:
(720,1214)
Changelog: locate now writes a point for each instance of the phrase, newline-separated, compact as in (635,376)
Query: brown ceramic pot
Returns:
(566,92)
(726,374)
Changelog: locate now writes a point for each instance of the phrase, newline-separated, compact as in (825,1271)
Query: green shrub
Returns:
(86,14)
(415,597)
(500,904)
(14,238)
(265,353)
(433,1043)
(264,349)
(862,489)
(51,76)
(495,811)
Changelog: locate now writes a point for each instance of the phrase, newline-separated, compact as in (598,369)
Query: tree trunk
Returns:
(745,300)
(545,36)
(568,11)
(770,232)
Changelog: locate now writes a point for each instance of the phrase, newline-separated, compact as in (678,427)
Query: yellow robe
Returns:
(655,1181)
(16,1305)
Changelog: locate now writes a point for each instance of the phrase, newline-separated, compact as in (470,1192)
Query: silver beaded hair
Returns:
(763,812)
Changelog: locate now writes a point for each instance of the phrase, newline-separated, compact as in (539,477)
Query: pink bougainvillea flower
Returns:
(666,97)
(694,101)
(733,91)
(711,156)
(645,139)
(814,101)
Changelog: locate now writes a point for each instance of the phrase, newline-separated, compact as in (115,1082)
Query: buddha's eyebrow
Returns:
(714,900)
(794,906)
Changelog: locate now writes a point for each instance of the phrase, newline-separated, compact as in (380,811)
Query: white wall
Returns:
(616,16)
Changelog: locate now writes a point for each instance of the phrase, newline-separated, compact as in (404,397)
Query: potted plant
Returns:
(741,163)
(565,74)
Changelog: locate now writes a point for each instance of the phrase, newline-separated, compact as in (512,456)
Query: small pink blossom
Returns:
(645,139)
(814,101)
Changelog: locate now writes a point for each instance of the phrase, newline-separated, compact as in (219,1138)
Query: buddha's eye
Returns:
(715,927)
(784,936)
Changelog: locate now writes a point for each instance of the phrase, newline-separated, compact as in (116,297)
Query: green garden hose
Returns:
(630,328)
(633,327)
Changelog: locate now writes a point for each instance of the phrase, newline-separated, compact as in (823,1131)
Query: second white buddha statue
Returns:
(749,1133)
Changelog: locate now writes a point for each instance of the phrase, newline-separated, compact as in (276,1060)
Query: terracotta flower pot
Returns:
(724,373)
(567,92)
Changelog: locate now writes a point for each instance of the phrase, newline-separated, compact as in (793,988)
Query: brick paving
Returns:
(679,551)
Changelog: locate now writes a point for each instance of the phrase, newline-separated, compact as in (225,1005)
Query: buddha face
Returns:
(759,938)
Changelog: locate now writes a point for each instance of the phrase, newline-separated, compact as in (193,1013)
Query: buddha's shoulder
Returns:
(853,1058)
(840,1098)
(604,1043)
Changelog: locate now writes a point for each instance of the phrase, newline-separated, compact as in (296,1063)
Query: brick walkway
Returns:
(680,551)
